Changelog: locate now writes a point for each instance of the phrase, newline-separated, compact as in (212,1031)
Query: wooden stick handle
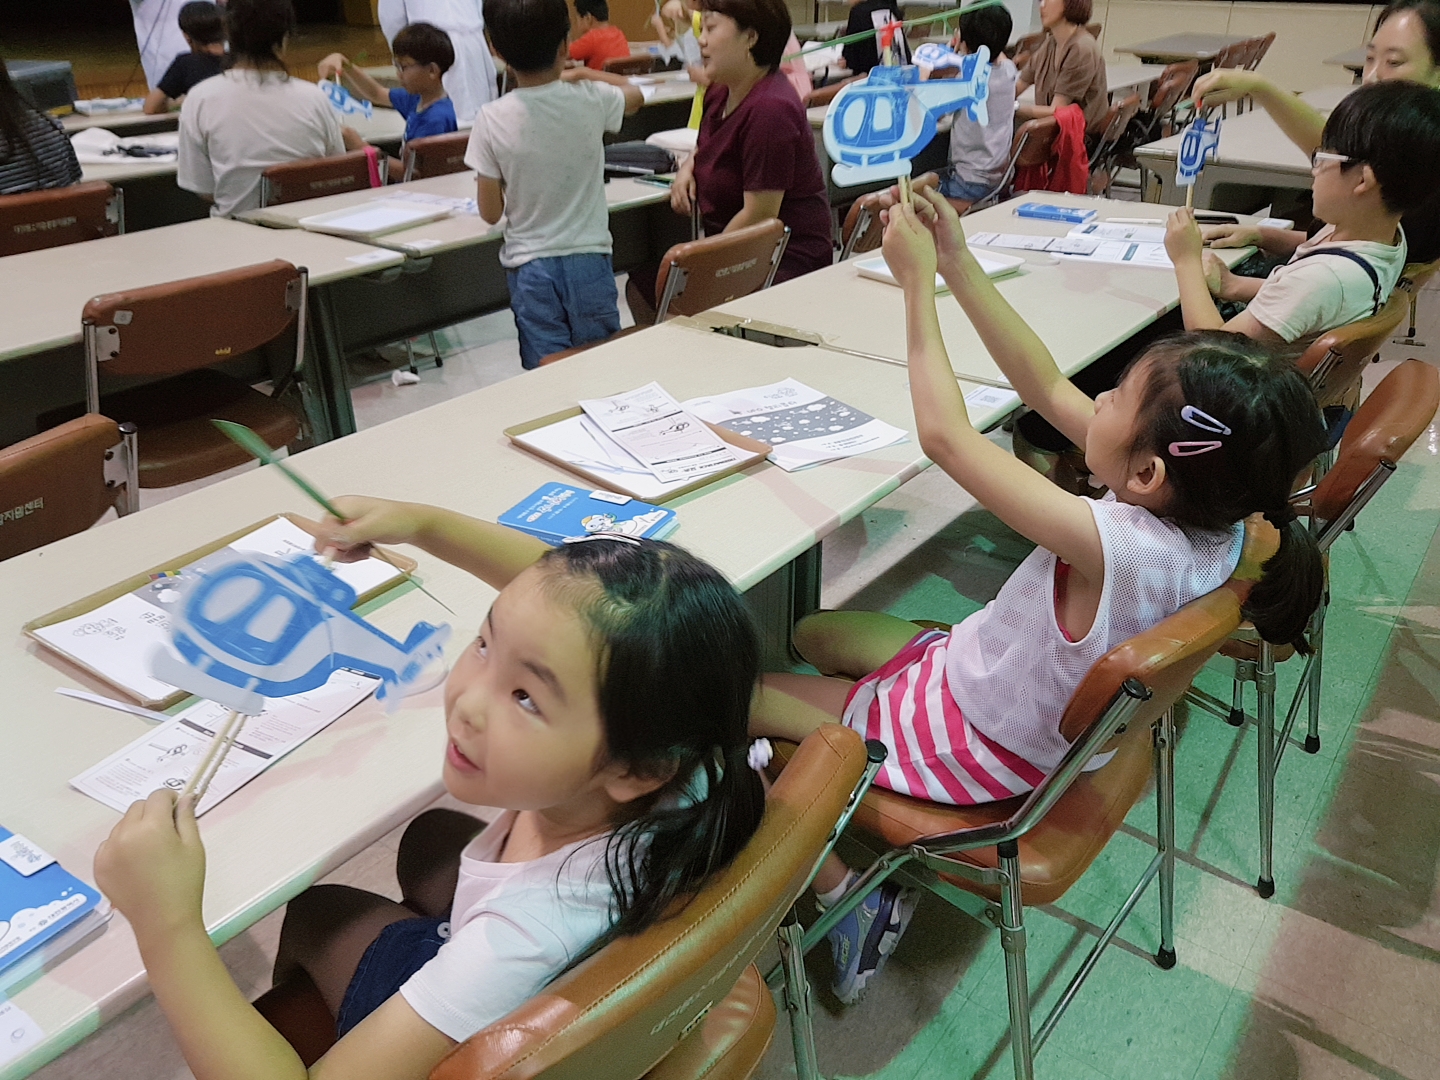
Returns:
(1190,197)
(199,781)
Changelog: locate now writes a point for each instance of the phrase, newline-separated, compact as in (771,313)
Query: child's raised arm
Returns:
(491,552)
(1010,489)
(340,66)
(1020,354)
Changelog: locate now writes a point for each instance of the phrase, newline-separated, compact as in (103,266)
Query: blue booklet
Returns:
(559,512)
(45,911)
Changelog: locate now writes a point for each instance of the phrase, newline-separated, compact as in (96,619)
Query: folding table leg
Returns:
(1012,940)
(1265,738)
(1317,642)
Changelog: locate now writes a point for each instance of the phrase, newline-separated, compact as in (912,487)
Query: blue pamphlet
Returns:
(559,512)
(1050,212)
(44,910)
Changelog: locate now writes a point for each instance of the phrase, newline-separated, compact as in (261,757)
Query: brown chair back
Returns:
(627,1007)
(1103,161)
(1260,46)
(861,230)
(1233,55)
(1415,275)
(1335,360)
(58,216)
(1395,414)
(55,484)
(1025,47)
(1036,139)
(193,323)
(314,177)
(701,274)
(435,155)
(639,64)
(1172,85)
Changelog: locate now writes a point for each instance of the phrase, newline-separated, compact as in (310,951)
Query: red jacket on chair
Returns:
(1069,166)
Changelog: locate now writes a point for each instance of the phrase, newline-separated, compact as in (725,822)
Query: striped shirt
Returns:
(53,162)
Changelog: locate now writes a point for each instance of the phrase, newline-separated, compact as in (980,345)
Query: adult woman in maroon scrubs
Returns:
(755,154)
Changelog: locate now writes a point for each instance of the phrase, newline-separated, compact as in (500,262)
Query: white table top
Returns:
(45,291)
(1080,311)
(1254,139)
(118,122)
(368,772)
(460,230)
(384,125)
(1117,77)
(1187,45)
(1354,59)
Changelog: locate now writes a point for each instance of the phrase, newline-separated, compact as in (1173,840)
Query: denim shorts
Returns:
(952,187)
(400,950)
(562,301)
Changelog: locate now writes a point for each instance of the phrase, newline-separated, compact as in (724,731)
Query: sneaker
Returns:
(863,940)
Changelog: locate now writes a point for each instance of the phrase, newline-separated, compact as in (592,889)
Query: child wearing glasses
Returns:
(1378,158)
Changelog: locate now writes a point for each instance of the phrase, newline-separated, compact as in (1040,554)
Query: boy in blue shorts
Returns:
(540,157)
(423,54)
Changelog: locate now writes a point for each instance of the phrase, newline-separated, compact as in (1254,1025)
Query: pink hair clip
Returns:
(1190,449)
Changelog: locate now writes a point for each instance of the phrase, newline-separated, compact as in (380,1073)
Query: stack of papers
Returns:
(45,913)
(1096,242)
(115,640)
(166,756)
(803,426)
(374,218)
(422,198)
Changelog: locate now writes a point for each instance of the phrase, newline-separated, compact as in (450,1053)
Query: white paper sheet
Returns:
(570,440)
(1108,230)
(1056,245)
(168,754)
(653,427)
(1083,248)
(116,639)
(803,426)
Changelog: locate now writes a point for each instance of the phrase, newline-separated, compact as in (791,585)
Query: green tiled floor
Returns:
(1337,976)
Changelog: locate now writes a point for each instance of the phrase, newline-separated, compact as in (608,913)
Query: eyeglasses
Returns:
(1319,156)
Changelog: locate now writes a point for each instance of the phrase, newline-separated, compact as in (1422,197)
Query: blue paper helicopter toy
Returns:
(1200,143)
(248,627)
(876,126)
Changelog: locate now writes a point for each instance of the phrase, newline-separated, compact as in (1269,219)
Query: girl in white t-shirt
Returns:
(602,707)
(1203,430)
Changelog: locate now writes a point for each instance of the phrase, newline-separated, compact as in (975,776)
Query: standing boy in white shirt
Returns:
(539,153)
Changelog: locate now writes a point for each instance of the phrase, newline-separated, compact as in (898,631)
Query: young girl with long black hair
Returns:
(603,707)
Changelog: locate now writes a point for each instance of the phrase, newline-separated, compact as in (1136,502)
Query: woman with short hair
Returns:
(1067,68)
(755,154)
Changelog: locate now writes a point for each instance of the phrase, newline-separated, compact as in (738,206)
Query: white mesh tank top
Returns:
(1009,667)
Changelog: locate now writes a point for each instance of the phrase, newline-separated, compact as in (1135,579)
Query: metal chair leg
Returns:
(410,357)
(1012,940)
(797,999)
(435,348)
(1165,833)
(1244,672)
(1317,642)
(1265,737)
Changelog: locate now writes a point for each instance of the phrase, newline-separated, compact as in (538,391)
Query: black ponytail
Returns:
(679,663)
(1280,604)
(1275,432)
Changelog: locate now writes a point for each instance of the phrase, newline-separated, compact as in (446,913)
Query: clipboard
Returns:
(114,592)
(752,451)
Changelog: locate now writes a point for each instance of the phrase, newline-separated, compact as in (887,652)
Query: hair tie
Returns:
(760,754)
(1281,518)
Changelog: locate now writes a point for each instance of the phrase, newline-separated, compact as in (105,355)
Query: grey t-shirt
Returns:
(546,144)
(979,152)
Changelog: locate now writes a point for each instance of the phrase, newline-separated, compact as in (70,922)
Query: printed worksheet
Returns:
(166,756)
(115,640)
(1109,230)
(803,426)
(1056,245)
(658,432)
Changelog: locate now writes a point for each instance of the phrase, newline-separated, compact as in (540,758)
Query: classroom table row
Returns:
(1253,153)
(362,294)
(370,771)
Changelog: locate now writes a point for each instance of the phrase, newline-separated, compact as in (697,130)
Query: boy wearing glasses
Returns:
(423,54)
(1380,154)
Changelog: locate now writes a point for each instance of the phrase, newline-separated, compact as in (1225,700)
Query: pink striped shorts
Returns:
(935,753)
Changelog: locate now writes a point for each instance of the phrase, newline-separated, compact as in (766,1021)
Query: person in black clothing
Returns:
(203,25)
(861,56)
(34,152)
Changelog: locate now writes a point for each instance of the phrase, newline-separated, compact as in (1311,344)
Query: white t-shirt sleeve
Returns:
(480,154)
(609,103)
(193,170)
(1305,299)
(493,964)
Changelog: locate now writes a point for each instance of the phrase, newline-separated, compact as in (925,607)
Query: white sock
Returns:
(826,899)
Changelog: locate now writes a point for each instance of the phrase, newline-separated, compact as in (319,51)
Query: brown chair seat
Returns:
(177,441)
